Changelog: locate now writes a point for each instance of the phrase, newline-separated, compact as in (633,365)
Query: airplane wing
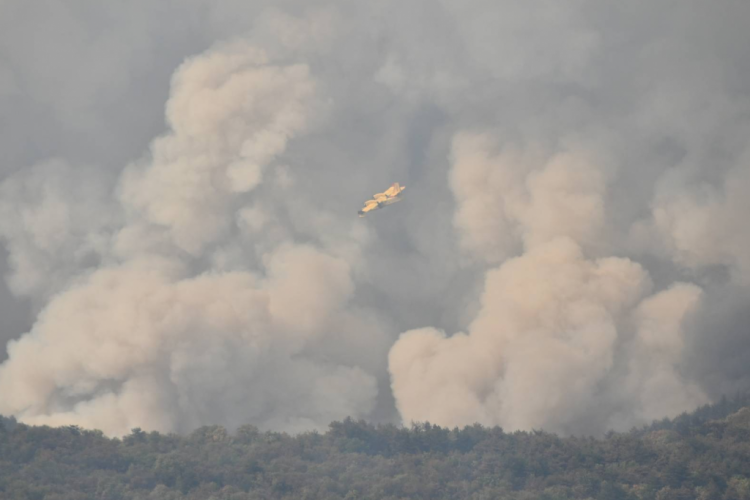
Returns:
(369,206)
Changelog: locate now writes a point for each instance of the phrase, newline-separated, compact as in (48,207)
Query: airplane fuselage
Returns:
(390,201)
(381,200)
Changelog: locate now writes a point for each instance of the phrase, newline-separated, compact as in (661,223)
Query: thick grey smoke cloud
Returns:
(545,339)
(179,187)
(140,339)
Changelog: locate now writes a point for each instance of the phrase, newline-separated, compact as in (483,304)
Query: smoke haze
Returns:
(178,197)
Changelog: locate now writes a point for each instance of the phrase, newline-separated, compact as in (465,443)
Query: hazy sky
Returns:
(179,182)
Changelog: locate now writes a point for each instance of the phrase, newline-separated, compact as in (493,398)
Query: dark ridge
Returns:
(701,455)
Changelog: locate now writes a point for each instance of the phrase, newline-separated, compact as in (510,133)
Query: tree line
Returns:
(701,455)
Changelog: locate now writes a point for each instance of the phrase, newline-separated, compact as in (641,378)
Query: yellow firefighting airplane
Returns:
(380,200)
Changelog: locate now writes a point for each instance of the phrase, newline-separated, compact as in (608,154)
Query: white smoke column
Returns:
(550,320)
(655,383)
(231,114)
(151,340)
(511,196)
(543,339)
(483,218)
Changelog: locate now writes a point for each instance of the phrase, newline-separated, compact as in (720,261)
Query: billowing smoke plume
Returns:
(544,341)
(137,345)
(561,197)
(231,114)
(143,340)
(178,197)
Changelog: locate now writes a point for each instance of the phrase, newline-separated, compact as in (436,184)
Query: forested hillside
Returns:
(703,455)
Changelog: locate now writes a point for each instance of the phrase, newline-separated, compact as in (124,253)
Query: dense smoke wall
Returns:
(178,197)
